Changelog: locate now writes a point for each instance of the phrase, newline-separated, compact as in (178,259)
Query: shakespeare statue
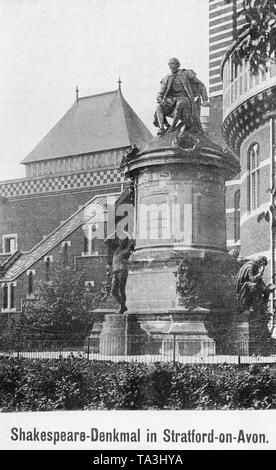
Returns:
(122,249)
(251,291)
(180,98)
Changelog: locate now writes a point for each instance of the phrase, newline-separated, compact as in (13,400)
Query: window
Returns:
(89,246)
(89,284)
(30,275)
(237,216)
(105,221)
(47,269)
(254,177)
(65,251)
(65,254)
(9,296)
(31,284)
(5,296)
(9,243)
(12,295)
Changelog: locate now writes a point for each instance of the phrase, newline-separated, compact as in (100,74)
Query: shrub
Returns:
(75,383)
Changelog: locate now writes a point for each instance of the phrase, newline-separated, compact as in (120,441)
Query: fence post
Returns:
(174,348)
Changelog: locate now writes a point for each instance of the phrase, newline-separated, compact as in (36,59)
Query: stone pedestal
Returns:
(180,265)
(121,335)
(178,333)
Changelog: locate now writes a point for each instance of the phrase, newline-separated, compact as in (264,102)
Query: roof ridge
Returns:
(120,98)
(97,94)
(127,109)
(80,130)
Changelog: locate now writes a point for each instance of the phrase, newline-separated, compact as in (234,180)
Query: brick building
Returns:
(249,130)
(72,178)
(224,26)
(239,103)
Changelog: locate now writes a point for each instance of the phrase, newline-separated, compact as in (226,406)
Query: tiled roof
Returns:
(89,212)
(94,123)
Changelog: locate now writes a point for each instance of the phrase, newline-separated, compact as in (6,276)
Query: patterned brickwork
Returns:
(70,181)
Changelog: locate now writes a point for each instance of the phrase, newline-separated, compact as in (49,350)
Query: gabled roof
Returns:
(94,123)
(90,212)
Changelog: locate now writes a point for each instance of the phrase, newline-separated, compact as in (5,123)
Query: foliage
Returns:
(201,283)
(257,38)
(64,303)
(75,383)
(63,310)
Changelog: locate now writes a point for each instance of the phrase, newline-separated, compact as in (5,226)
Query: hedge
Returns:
(77,384)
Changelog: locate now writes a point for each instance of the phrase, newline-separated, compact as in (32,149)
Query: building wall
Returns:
(255,236)
(31,218)
(94,266)
(232,199)
(109,158)
(220,37)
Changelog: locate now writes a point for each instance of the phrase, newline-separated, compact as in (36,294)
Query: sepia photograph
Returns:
(137,217)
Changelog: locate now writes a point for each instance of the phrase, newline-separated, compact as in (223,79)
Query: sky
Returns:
(47,47)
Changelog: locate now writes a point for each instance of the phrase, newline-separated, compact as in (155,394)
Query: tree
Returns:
(257,38)
(64,305)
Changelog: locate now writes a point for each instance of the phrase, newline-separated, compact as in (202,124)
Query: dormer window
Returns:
(9,243)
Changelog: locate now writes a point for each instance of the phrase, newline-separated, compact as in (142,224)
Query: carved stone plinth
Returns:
(121,335)
(178,333)
(180,264)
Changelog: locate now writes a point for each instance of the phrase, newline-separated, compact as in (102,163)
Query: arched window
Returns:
(65,254)
(31,284)
(47,269)
(237,215)
(253,177)
(93,245)
(12,295)
(105,220)
(86,241)
(89,237)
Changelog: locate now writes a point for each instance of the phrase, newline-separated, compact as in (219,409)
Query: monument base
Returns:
(178,333)
(121,335)
(252,335)
(171,335)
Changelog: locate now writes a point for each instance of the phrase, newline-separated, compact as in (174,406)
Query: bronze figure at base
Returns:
(251,291)
(122,249)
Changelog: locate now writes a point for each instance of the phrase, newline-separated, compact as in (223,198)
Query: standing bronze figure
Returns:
(121,249)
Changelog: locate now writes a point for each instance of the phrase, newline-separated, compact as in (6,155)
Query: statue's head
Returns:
(262,261)
(174,64)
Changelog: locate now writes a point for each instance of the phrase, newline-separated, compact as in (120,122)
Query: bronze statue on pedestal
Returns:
(180,97)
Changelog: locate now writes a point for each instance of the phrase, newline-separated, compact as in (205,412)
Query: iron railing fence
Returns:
(147,349)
